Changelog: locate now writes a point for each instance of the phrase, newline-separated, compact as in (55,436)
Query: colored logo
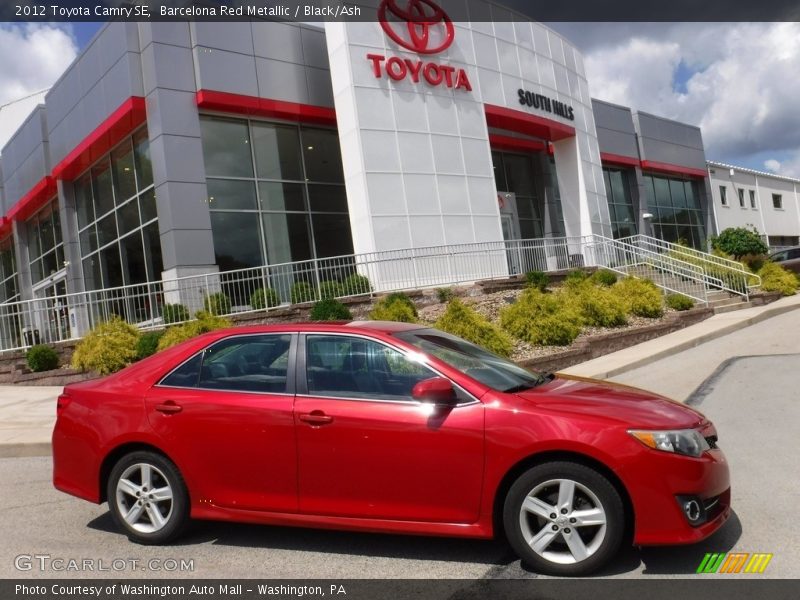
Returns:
(734,562)
(420,26)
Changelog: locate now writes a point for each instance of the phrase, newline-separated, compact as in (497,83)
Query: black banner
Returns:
(700,587)
(365,10)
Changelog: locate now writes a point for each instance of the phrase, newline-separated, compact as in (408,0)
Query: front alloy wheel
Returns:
(564,518)
(148,498)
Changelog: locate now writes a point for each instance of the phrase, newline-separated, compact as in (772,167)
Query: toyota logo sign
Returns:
(419,25)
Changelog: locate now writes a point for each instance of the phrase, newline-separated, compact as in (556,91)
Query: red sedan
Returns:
(388,427)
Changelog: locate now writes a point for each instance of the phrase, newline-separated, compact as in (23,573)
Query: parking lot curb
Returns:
(664,352)
(25,449)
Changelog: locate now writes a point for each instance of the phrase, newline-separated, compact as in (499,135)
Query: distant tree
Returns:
(738,242)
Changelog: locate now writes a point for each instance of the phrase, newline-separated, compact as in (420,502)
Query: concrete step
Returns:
(726,308)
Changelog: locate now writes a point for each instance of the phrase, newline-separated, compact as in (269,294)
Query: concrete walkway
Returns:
(27,414)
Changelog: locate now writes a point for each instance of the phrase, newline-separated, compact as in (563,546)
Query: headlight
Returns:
(679,441)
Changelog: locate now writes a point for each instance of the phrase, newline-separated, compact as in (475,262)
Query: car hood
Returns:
(624,404)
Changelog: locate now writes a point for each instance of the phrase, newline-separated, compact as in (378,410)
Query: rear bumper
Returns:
(659,515)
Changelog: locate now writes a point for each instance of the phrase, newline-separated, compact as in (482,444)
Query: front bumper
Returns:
(660,479)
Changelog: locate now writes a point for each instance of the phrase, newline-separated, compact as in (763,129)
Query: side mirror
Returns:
(437,390)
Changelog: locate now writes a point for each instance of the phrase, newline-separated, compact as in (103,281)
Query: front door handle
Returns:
(169,408)
(316,418)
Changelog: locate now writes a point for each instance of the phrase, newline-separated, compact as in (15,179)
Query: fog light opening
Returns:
(692,510)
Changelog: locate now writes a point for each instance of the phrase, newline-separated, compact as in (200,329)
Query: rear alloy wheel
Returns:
(563,518)
(147,498)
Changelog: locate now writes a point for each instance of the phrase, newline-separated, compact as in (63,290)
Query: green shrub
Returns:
(596,305)
(679,302)
(537,280)
(107,348)
(264,298)
(544,319)
(330,310)
(148,344)
(739,241)
(174,313)
(461,320)
(576,276)
(604,277)
(302,292)
(395,307)
(41,358)
(356,284)
(754,262)
(330,289)
(203,323)
(217,304)
(774,278)
(640,297)
(445,294)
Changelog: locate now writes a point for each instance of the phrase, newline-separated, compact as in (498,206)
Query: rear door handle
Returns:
(169,408)
(316,418)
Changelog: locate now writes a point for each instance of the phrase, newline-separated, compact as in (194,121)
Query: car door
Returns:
(367,449)
(225,417)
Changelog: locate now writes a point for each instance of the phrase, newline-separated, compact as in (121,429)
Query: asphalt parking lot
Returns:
(753,402)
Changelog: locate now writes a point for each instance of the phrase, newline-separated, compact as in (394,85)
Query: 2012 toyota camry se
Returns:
(388,427)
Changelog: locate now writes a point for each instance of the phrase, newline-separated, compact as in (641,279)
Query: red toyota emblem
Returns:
(421,26)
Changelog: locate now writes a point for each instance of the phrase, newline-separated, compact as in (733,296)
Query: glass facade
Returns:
(117,220)
(675,205)
(275,192)
(9,292)
(529,177)
(620,203)
(45,244)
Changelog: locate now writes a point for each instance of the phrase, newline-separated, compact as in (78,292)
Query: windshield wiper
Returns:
(543,378)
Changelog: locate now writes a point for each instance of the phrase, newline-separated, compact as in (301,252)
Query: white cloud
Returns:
(743,92)
(34,56)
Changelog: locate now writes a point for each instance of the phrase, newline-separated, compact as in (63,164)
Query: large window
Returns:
(525,175)
(675,206)
(45,246)
(275,192)
(620,204)
(117,220)
(9,292)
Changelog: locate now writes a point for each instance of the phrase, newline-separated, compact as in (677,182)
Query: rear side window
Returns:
(255,363)
(186,375)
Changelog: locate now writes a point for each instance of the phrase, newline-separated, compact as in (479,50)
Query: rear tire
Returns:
(563,518)
(147,498)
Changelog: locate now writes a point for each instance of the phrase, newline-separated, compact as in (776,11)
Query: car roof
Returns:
(385,327)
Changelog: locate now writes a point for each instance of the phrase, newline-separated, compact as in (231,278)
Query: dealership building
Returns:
(170,150)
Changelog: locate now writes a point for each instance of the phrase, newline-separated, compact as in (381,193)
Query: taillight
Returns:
(62,402)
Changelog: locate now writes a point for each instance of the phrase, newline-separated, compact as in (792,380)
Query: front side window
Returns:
(351,367)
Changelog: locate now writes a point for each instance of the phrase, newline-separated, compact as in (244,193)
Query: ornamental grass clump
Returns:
(679,302)
(774,278)
(463,321)
(107,348)
(542,319)
(330,309)
(596,305)
(395,307)
(640,297)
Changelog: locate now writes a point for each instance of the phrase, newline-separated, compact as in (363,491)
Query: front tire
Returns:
(563,518)
(147,498)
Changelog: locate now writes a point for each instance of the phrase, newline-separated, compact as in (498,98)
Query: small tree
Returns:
(738,242)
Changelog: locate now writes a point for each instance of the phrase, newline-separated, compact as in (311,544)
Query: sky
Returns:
(737,81)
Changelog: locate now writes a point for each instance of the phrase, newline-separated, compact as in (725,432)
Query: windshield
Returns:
(487,368)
